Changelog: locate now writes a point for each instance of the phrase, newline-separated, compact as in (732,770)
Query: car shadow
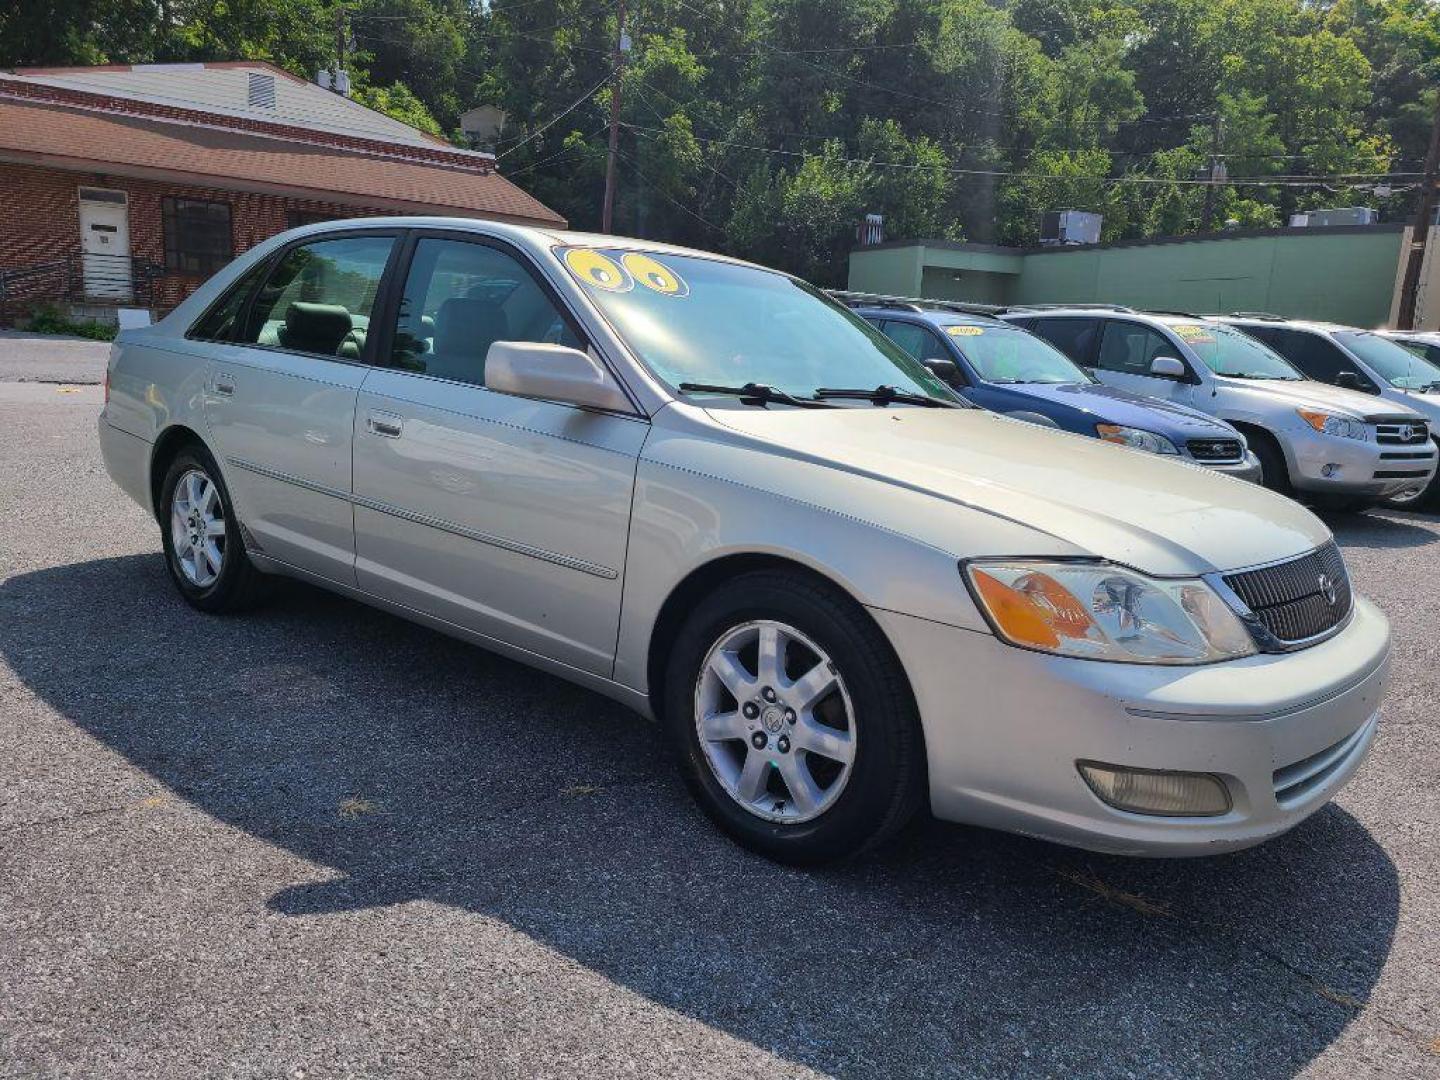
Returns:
(416,767)
(1380,529)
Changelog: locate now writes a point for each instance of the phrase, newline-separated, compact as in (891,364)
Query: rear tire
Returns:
(200,535)
(817,754)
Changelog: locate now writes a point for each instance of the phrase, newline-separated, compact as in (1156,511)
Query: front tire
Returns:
(200,534)
(792,719)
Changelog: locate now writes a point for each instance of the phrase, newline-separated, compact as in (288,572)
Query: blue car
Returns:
(1008,370)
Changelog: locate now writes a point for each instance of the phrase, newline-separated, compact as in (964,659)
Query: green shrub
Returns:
(51,320)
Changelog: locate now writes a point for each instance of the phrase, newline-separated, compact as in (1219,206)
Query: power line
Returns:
(560,115)
(664,195)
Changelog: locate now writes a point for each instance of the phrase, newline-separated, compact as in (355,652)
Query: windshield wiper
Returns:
(755,394)
(888,395)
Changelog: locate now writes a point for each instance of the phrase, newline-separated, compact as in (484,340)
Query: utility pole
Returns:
(1208,215)
(341,81)
(1420,233)
(617,62)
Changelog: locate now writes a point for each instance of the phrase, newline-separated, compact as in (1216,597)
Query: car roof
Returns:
(931,316)
(1247,318)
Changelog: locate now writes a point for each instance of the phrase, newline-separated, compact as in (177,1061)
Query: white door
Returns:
(105,244)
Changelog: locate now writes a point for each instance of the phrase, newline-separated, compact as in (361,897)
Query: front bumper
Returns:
(1004,729)
(1324,464)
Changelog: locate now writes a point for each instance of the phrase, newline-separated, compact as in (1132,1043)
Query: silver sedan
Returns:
(706,490)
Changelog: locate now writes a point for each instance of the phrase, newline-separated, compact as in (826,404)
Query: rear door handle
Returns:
(386,425)
(225,384)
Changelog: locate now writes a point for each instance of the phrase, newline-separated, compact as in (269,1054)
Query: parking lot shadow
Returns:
(416,767)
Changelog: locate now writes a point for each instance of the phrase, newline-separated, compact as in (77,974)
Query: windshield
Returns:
(697,320)
(1232,353)
(1394,363)
(1004,354)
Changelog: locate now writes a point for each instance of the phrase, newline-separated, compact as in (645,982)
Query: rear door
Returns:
(280,399)
(508,516)
(1075,336)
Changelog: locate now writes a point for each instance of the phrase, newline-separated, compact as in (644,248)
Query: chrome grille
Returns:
(1401,432)
(1293,599)
(1214,449)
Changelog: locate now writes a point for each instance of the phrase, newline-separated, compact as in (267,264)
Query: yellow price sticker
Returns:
(965,331)
(597,270)
(654,274)
(1193,335)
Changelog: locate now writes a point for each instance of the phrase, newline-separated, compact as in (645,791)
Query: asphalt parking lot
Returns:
(319,841)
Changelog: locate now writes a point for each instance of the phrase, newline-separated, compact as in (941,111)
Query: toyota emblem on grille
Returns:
(1327,589)
(1414,434)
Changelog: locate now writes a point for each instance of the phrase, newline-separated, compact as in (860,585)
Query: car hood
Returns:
(1095,498)
(1309,394)
(1112,404)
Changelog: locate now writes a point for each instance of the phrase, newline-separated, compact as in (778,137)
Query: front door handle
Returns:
(225,384)
(386,425)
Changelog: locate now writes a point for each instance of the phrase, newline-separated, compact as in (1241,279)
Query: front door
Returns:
(105,244)
(1127,349)
(280,400)
(505,515)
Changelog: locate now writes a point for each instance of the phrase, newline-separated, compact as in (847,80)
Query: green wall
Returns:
(1346,275)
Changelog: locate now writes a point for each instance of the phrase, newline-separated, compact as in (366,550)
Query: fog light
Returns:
(1156,791)
(1329,470)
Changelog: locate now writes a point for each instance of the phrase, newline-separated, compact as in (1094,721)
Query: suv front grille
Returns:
(1401,432)
(1293,600)
(1214,449)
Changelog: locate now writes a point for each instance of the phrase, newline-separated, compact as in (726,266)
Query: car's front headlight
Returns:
(1136,438)
(1097,611)
(1343,427)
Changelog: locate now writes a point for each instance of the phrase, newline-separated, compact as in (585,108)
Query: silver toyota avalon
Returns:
(704,489)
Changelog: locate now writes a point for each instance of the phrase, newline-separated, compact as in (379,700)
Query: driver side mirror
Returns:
(552,372)
(945,370)
(1168,367)
(1350,380)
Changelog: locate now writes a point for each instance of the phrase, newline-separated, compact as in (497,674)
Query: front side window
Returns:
(1003,354)
(460,298)
(919,342)
(1394,363)
(1073,337)
(197,235)
(697,320)
(319,297)
(1233,353)
(1130,348)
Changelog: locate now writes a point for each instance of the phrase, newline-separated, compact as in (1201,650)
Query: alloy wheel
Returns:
(197,528)
(775,721)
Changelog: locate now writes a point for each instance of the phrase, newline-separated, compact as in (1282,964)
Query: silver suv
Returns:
(1357,360)
(1331,444)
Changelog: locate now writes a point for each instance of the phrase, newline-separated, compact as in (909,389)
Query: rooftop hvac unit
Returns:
(1342,215)
(1070,227)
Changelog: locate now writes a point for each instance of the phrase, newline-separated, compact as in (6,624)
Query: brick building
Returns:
(132,184)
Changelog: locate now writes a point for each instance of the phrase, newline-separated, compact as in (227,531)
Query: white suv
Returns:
(1337,446)
(1357,360)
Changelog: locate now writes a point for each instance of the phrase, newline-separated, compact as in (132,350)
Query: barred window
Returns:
(197,235)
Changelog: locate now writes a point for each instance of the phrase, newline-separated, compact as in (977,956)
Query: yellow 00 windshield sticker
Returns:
(654,274)
(1193,334)
(964,331)
(598,270)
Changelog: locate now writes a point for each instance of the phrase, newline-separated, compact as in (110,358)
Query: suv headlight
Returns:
(1137,438)
(1097,611)
(1344,427)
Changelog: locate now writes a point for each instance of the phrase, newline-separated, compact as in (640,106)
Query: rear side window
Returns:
(319,297)
(1129,348)
(219,323)
(1074,337)
(918,341)
(460,298)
